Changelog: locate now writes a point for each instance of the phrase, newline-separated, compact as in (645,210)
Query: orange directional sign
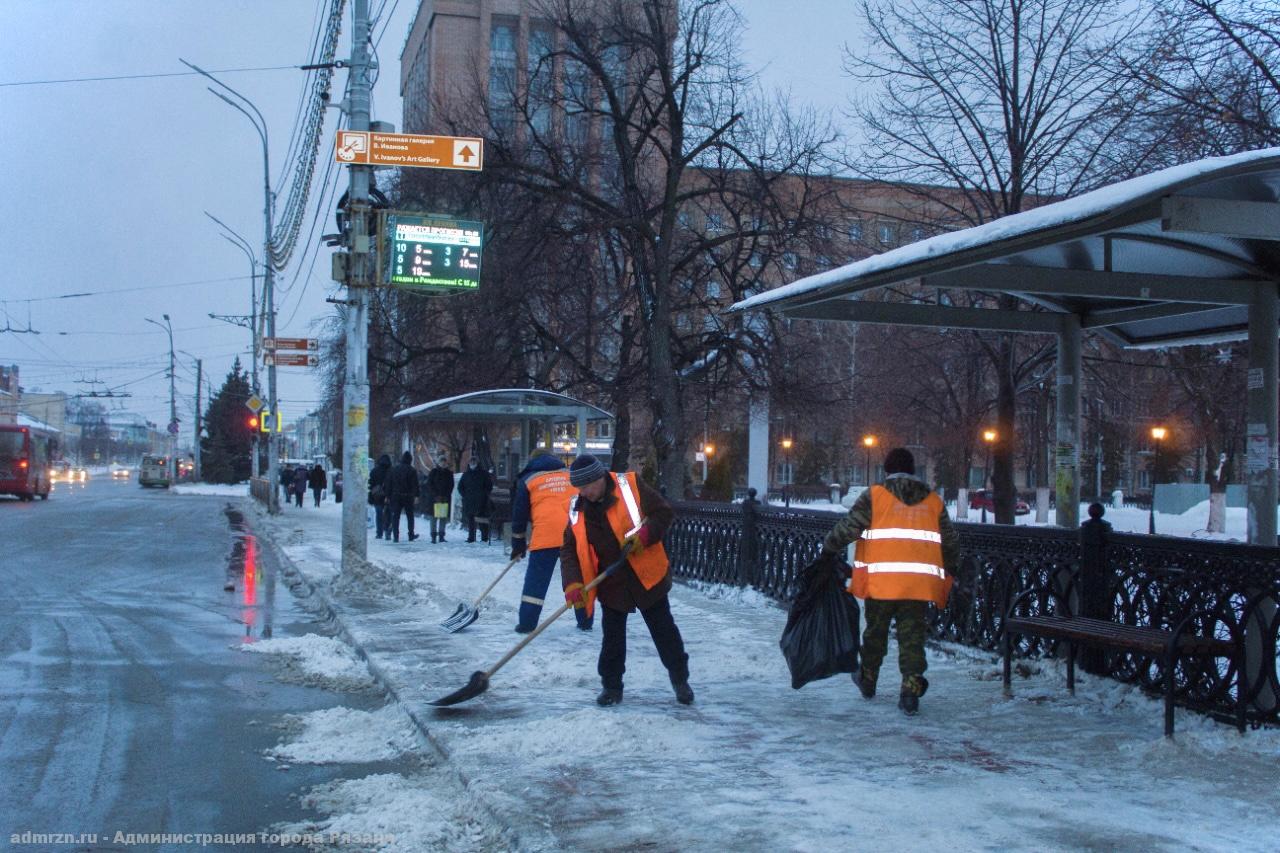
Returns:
(409,150)
(290,359)
(311,344)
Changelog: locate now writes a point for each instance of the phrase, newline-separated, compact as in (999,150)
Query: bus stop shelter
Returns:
(1187,255)
(536,412)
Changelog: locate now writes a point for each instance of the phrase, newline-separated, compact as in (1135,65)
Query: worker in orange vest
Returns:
(905,557)
(612,512)
(542,499)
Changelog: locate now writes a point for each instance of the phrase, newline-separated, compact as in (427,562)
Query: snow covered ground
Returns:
(1192,524)
(754,765)
(238,490)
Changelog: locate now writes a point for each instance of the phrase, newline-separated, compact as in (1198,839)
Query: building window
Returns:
(917,233)
(822,232)
(887,233)
(502,75)
(823,262)
(683,219)
(790,260)
(755,260)
(855,231)
(715,223)
(713,290)
(541,76)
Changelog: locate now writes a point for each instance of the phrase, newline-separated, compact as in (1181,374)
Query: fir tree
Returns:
(227,447)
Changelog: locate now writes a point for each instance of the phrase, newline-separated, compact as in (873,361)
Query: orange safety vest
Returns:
(550,494)
(650,565)
(899,557)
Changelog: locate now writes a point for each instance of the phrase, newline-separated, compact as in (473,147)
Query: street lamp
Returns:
(786,472)
(173,402)
(707,450)
(1158,433)
(868,442)
(989,436)
(268,290)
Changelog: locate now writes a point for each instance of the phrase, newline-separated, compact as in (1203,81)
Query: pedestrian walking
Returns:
(905,557)
(286,483)
(299,483)
(610,512)
(379,493)
(542,496)
(403,492)
(439,493)
(318,482)
(474,486)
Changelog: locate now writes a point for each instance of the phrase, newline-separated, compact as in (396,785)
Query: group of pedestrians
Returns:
(397,490)
(296,480)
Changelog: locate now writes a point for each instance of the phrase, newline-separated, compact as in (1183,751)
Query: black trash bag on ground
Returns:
(821,637)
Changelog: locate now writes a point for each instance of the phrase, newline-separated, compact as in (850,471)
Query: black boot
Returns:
(608,697)
(909,703)
(684,693)
(867,686)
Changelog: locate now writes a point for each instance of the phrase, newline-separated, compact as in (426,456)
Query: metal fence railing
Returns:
(1150,581)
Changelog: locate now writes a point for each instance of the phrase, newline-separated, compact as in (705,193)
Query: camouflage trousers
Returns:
(913,627)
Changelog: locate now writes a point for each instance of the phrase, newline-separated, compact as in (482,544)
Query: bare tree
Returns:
(1008,102)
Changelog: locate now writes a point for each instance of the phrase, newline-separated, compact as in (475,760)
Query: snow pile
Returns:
(346,736)
(401,813)
(315,660)
(237,490)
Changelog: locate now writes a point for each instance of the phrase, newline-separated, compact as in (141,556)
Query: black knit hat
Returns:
(407,458)
(585,469)
(899,461)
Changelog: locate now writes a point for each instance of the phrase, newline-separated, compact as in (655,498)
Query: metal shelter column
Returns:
(582,432)
(1068,423)
(758,446)
(1262,433)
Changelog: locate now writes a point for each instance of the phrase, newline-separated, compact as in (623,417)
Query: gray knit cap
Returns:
(585,469)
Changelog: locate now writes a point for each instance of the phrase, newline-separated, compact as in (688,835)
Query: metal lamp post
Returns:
(707,450)
(173,402)
(868,442)
(268,279)
(989,436)
(243,245)
(1157,433)
(786,479)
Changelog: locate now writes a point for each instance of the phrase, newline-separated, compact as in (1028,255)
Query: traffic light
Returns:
(253,422)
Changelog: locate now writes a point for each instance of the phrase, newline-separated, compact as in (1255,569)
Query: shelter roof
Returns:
(1173,257)
(506,405)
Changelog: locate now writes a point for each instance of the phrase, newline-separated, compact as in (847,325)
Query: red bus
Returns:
(26,454)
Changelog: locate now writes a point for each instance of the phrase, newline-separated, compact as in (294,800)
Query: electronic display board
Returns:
(432,253)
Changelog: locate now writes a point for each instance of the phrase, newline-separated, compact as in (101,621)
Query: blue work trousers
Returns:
(537,578)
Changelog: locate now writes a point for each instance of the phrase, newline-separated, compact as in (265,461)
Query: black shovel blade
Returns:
(478,684)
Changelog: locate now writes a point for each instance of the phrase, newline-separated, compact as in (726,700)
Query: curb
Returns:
(298,580)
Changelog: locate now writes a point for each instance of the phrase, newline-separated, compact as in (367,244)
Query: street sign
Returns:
(290,359)
(432,253)
(409,150)
(308,344)
(254,403)
(173,427)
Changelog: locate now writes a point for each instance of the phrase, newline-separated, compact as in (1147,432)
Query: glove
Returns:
(639,540)
(573,595)
(518,547)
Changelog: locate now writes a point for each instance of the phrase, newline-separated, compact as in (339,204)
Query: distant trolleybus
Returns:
(26,459)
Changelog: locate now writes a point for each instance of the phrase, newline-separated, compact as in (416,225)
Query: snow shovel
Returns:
(479,682)
(464,615)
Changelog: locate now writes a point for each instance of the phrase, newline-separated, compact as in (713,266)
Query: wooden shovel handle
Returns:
(490,587)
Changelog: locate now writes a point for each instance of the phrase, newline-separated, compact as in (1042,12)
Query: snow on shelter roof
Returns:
(505,404)
(1156,260)
(25,420)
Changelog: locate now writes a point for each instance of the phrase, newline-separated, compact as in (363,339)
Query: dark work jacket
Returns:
(623,591)
(379,477)
(474,485)
(402,482)
(317,479)
(440,485)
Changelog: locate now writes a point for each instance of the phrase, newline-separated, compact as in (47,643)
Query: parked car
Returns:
(984,498)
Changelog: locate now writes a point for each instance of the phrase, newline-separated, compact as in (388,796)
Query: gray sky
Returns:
(104,183)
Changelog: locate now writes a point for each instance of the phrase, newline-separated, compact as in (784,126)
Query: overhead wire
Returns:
(143,76)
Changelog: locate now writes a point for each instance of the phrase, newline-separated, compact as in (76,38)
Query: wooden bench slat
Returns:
(1086,630)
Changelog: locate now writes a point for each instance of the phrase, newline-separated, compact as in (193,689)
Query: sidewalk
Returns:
(755,765)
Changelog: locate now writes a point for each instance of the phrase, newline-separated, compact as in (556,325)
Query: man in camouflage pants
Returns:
(906,555)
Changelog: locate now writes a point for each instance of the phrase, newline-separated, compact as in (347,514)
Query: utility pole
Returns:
(195,474)
(173,403)
(355,389)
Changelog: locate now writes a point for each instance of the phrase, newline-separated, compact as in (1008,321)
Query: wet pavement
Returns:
(123,705)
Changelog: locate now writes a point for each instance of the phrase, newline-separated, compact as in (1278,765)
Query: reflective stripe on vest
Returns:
(904,533)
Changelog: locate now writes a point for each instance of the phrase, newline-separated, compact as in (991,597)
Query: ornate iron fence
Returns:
(1152,581)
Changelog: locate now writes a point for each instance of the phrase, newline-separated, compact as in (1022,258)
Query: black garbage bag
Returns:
(821,637)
